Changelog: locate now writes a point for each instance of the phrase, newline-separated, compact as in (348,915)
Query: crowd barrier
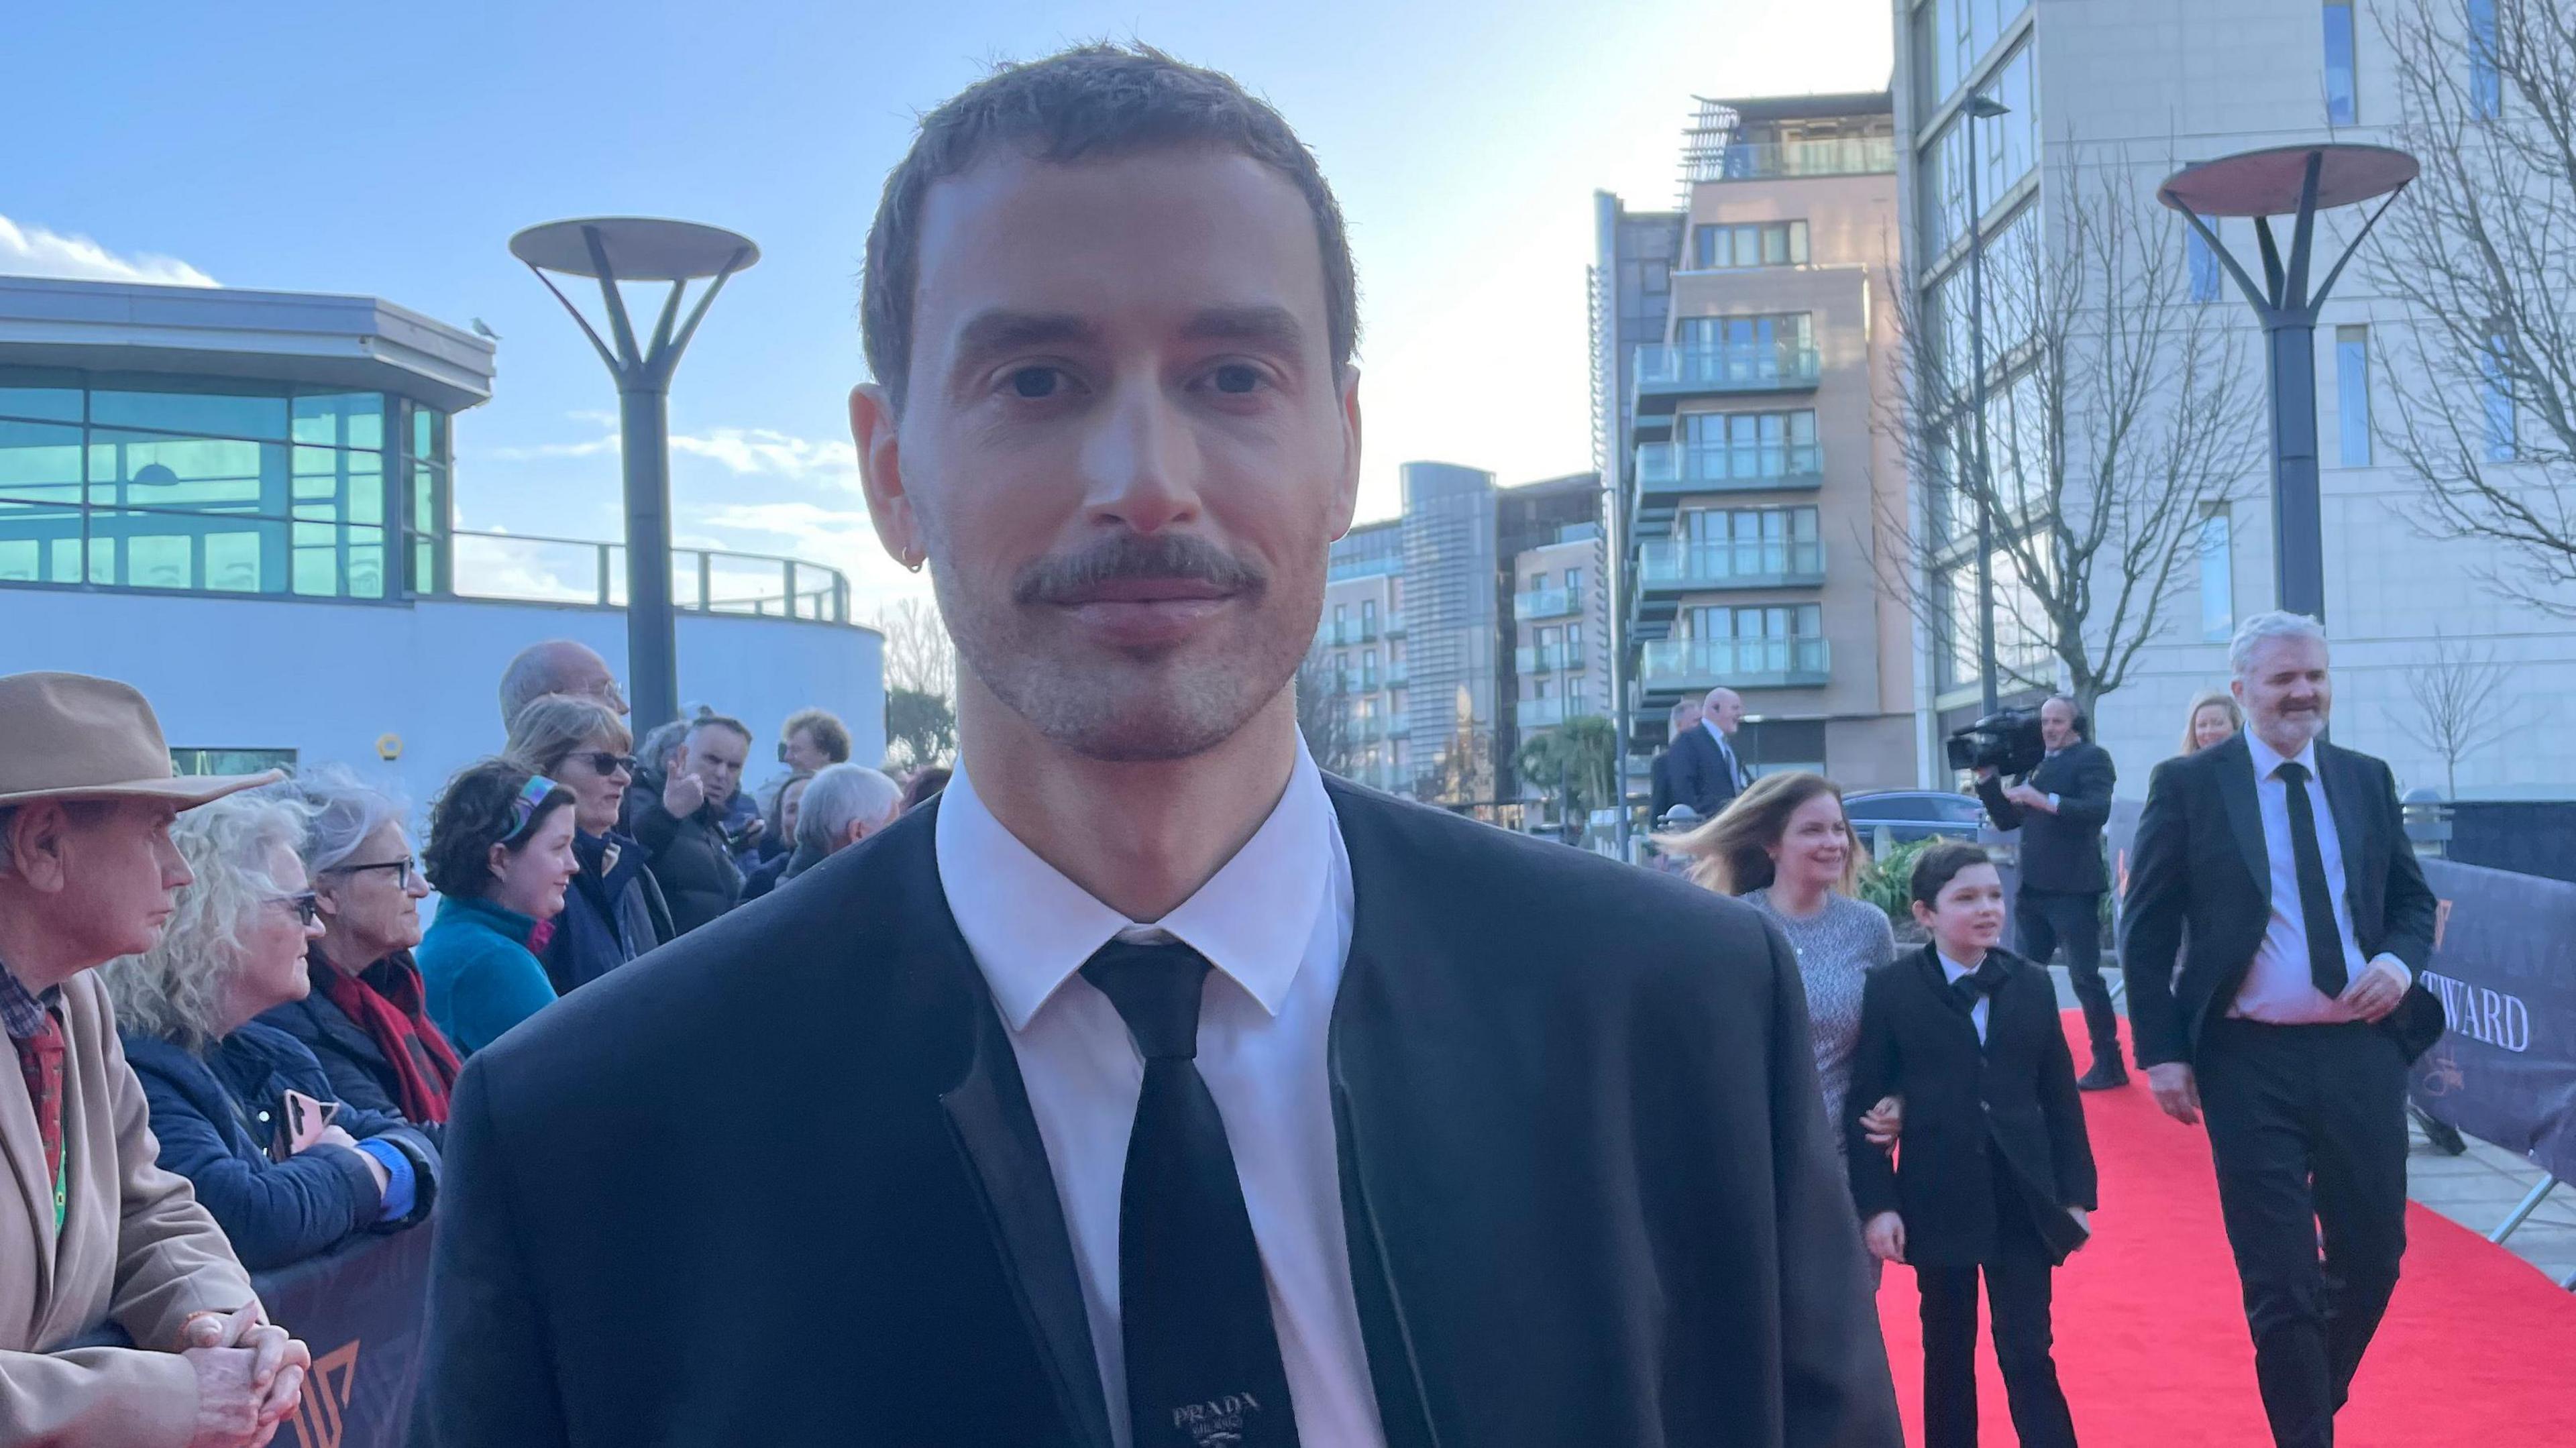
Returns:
(361,1309)
(2506,1071)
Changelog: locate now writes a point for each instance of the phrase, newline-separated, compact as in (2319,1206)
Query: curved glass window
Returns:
(219,486)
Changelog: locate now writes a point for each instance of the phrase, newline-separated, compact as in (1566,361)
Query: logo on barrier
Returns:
(323,1415)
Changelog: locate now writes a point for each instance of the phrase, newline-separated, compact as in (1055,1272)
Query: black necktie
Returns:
(2316,901)
(1194,1310)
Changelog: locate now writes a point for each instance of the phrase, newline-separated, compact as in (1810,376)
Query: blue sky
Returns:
(392,151)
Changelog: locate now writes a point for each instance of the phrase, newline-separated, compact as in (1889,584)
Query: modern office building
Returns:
(2131,93)
(1455,630)
(243,504)
(1744,360)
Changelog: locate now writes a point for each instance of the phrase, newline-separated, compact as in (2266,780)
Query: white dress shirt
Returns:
(1275,923)
(1984,1008)
(2279,987)
(1726,747)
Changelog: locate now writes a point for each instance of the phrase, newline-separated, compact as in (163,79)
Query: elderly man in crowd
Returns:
(101,1233)
(557,666)
(842,806)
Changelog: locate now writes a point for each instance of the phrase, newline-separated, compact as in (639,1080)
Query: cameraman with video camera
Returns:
(2060,807)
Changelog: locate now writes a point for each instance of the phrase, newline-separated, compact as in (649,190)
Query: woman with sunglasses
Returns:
(367,1016)
(240,1108)
(500,856)
(614,911)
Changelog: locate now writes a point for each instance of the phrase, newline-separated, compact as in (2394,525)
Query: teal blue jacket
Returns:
(479,975)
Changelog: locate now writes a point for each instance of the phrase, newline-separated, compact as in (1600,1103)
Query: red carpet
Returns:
(2151,1341)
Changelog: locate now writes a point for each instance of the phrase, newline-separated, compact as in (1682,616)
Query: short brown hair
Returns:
(1936,867)
(1087,102)
(1734,850)
(829,732)
(548,729)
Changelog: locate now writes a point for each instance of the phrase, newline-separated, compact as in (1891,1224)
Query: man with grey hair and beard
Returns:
(1152,1089)
(2290,1021)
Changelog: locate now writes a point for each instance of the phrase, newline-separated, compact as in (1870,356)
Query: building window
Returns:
(1770,243)
(2217,579)
(2486,87)
(1721,447)
(2204,265)
(2341,109)
(1368,618)
(2352,393)
(1574,582)
(1748,349)
(2497,393)
(1368,670)
(1537,581)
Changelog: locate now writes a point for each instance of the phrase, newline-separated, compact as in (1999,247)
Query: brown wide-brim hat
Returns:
(71,736)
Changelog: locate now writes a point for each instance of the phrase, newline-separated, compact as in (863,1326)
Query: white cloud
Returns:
(32,251)
(741,451)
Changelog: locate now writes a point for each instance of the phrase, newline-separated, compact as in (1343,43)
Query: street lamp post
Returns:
(2290,181)
(1981,108)
(629,248)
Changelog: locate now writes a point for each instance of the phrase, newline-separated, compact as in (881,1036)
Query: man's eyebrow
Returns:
(1001,330)
(1272,326)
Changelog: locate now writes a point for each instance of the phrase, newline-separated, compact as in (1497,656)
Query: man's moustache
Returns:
(1065,578)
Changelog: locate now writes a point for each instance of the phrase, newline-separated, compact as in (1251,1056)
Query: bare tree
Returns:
(2482,253)
(1324,714)
(2124,416)
(918,653)
(2455,713)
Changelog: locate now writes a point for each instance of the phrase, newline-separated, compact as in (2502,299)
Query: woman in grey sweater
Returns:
(1786,848)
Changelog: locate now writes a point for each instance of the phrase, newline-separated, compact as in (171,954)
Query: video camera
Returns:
(2007,742)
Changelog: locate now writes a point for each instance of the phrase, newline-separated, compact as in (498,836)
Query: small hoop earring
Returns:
(913,565)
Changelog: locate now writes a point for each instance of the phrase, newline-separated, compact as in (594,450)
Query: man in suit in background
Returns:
(2292,1017)
(1707,772)
(1685,719)
(2060,810)
(1150,1089)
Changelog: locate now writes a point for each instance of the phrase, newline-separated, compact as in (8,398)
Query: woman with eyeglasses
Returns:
(241,1109)
(500,856)
(614,911)
(367,1017)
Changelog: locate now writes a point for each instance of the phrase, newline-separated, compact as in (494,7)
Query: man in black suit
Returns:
(2060,810)
(2289,1020)
(1684,719)
(1707,772)
(1362,1123)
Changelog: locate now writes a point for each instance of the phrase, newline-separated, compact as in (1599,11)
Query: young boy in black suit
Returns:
(1994,1173)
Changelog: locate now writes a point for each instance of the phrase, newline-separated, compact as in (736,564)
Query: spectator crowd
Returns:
(253,948)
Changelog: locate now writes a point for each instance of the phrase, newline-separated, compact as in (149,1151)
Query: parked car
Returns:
(1907,815)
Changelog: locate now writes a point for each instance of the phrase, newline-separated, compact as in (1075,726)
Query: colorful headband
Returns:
(523,810)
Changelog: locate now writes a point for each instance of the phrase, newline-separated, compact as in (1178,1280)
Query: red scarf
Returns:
(390,1009)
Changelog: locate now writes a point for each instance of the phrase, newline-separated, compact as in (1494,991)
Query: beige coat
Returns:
(135,1247)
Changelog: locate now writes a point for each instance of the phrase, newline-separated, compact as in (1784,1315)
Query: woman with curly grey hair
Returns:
(242,1109)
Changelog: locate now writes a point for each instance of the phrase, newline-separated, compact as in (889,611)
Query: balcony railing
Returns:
(1395,623)
(1547,658)
(1673,371)
(1774,160)
(1395,676)
(1671,467)
(1677,564)
(1736,663)
(1546,603)
(1348,631)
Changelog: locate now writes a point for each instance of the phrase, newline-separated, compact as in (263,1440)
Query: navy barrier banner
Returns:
(2506,1071)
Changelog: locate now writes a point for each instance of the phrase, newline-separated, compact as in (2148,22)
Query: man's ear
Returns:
(877,433)
(1346,499)
(37,835)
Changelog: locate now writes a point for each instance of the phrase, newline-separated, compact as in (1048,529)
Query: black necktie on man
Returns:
(1194,1308)
(2316,898)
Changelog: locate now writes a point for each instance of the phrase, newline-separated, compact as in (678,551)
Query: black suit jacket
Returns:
(2014,1095)
(2199,863)
(779,1182)
(1700,776)
(2062,851)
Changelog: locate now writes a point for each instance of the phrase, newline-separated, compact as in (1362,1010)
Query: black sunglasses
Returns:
(605,763)
(307,908)
(402,870)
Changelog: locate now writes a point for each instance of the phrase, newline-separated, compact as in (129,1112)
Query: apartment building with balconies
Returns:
(1758,477)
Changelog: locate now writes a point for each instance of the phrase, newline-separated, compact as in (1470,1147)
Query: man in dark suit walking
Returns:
(1685,719)
(1707,772)
(2292,1017)
(2060,810)
(1151,1089)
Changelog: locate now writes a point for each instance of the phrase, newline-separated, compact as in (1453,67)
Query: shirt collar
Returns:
(1030,928)
(1713,731)
(2268,759)
(1951,968)
(24,1013)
